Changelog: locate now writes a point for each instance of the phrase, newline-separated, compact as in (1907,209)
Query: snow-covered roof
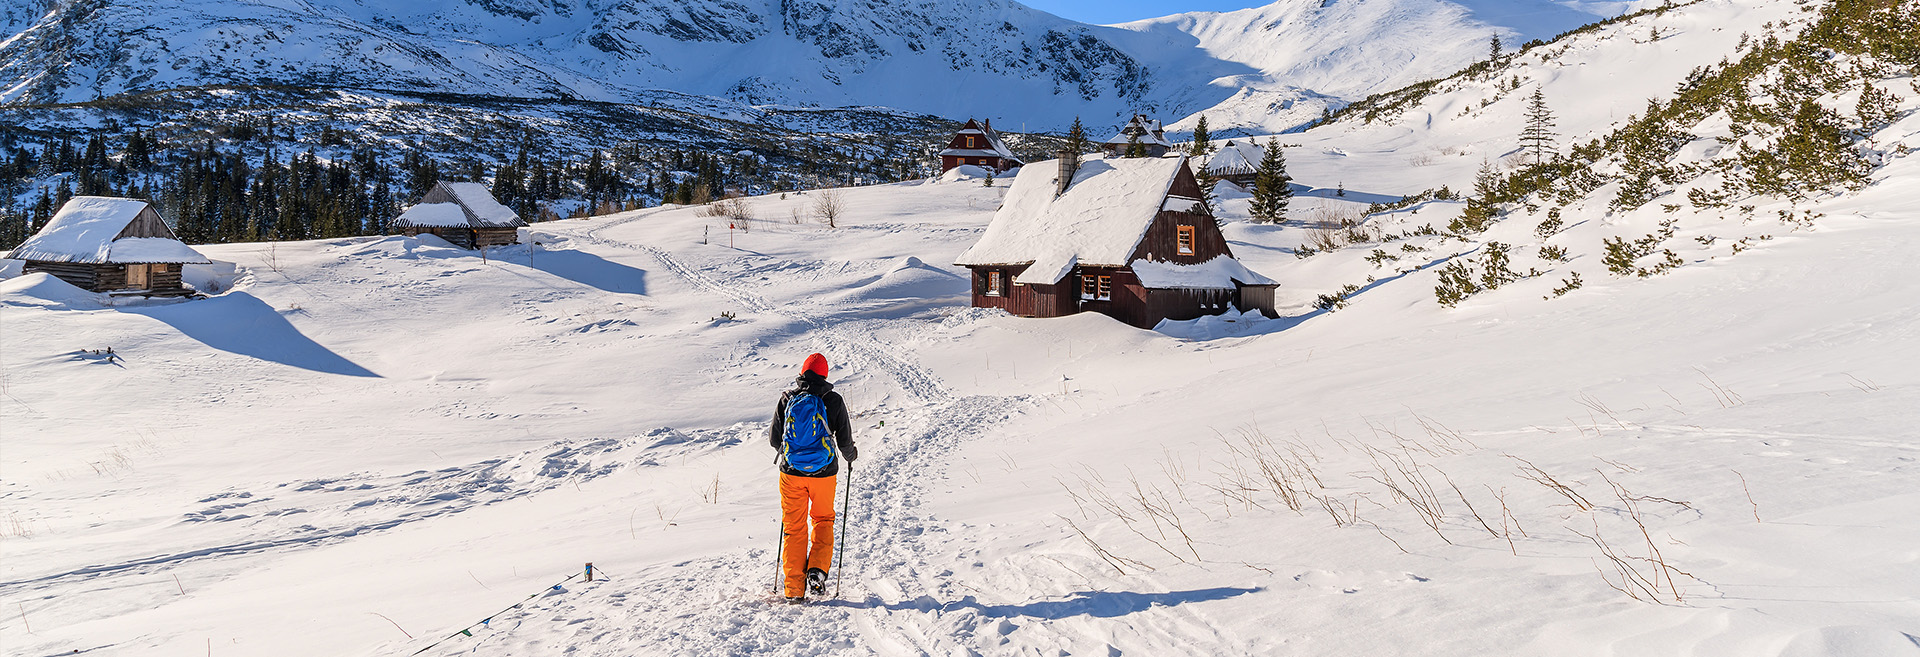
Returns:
(433,215)
(1237,157)
(1148,129)
(1220,272)
(487,212)
(1098,221)
(87,230)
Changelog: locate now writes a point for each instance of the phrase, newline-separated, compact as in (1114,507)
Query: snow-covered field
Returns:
(366,446)
(376,437)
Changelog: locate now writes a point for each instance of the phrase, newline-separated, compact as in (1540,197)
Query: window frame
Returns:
(993,285)
(1185,241)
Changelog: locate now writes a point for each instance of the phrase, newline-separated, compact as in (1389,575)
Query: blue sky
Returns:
(1105,12)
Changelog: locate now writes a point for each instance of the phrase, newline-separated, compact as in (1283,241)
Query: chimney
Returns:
(1069,165)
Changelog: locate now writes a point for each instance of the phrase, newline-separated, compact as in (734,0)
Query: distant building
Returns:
(1147,132)
(465,214)
(1125,237)
(1236,163)
(977,144)
(115,245)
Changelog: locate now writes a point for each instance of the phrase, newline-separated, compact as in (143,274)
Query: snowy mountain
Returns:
(987,58)
(386,446)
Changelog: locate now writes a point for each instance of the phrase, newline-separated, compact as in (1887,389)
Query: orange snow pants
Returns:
(803,499)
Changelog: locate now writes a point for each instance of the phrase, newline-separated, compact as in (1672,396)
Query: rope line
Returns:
(468,630)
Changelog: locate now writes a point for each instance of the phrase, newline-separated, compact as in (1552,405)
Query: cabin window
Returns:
(993,283)
(970,142)
(1096,288)
(1185,240)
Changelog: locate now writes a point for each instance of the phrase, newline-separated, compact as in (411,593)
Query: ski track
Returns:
(898,596)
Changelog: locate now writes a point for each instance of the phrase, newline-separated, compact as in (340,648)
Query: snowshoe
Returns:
(796,599)
(816,581)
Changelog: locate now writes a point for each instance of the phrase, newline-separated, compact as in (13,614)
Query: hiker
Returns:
(809,422)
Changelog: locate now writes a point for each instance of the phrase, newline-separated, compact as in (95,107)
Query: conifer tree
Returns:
(1536,138)
(1201,142)
(1493,48)
(1271,185)
(1480,207)
(1076,138)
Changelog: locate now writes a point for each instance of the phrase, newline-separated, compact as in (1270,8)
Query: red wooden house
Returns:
(1128,238)
(977,144)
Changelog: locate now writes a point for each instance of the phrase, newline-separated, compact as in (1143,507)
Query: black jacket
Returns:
(836,423)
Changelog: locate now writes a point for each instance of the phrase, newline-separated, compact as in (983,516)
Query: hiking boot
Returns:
(816,581)
(796,599)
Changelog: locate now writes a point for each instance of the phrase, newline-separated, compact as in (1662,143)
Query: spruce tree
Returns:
(1201,142)
(1493,48)
(1076,138)
(1536,138)
(1271,186)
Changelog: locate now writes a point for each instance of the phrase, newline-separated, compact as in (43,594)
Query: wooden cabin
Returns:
(1148,132)
(977,144)
(113,245)
(1236,163)
(1125,237)
(465,214)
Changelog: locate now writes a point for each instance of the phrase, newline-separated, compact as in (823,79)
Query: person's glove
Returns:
(852,453)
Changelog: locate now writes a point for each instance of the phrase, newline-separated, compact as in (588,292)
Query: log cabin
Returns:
(1148,132)
(1236,163)
(465,214)
(1125,237)
(977,144)
(112,245)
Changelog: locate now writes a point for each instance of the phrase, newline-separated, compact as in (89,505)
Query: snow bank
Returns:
(211,278)
(41,290)
(910,278)
(966,172)
(1230,324)
(11,268)
(1853,641)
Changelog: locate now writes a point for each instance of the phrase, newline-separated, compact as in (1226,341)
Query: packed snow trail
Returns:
(897,594)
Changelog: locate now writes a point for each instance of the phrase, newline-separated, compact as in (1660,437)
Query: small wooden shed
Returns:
(116,245)
(1125,237)
(465,214)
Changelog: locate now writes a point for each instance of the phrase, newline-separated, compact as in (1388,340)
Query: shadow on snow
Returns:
(591,270)
(1095,604)
(241,323)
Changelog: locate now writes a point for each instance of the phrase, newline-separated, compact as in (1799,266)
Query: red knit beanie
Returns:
(816,364)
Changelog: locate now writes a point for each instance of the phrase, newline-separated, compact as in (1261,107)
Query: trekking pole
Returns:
(840,550)
(779,545)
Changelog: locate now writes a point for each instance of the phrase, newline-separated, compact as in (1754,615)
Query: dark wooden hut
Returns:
(465,214)
(1128,238)
(977,144)
(114,245)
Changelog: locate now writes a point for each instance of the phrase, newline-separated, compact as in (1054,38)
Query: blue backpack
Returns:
(809,445)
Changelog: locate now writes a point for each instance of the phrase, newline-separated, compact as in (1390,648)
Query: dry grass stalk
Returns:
(1118,562)
(1749,492)
(1530,472)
